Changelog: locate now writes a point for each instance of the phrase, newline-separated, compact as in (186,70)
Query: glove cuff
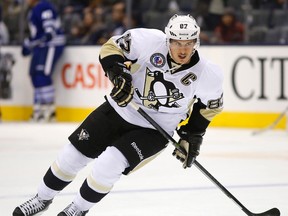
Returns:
(106,61)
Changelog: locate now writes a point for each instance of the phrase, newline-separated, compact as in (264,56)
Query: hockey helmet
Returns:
(183,27)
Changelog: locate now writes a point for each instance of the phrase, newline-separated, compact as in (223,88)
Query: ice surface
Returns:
(253,168)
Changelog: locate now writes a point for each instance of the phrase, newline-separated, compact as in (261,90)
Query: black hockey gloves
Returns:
(120,76)
(191,142)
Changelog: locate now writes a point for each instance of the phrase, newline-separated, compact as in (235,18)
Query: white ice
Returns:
(253,168)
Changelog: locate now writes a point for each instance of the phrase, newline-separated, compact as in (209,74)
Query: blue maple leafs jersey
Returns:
(44,21)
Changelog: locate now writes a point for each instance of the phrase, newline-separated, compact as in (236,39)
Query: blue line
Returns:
(161,190)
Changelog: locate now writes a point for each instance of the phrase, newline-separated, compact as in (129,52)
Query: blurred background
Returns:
(247,38)
(92,22)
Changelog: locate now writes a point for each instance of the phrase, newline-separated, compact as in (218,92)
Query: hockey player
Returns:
(46,44)
(167,76)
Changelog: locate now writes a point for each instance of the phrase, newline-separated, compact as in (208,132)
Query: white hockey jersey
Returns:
(161,88)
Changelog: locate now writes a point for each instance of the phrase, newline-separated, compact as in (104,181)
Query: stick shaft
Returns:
(274,124)
(196,163)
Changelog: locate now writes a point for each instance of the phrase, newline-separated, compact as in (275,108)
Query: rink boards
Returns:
(255,85)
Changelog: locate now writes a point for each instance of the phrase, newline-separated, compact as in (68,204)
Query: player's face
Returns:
(181,50)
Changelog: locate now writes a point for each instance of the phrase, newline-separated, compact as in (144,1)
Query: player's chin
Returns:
(182,60)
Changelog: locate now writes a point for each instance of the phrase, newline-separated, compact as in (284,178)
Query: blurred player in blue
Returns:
(46,44)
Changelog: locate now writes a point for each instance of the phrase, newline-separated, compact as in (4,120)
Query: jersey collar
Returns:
(194,60)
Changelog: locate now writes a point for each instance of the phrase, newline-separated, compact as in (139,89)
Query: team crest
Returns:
(159,92)
(157,60)
(84,135)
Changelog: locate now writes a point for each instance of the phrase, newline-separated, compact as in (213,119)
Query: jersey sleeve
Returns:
(131,45)
(209,96)
(118,49)
(210,87)
(109,54)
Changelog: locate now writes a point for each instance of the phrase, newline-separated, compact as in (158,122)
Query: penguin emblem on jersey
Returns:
(157,60)
(84,135)
(158,91)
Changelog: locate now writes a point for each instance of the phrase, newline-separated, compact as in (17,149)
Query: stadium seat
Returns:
(236,4)
(259,18)
(144,5)
(284,35)
(155,19)
(257,34)
(187,6)
(273,36)
(279,17)
(161,6)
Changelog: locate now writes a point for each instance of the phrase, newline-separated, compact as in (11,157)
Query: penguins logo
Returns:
(159,92)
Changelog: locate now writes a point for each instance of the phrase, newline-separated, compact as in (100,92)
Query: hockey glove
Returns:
(191,143)
(46,37)
(26,47)
(123,91)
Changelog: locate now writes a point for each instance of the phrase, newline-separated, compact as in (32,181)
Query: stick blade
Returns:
(271,212)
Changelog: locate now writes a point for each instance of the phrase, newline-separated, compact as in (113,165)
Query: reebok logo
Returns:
(141,157)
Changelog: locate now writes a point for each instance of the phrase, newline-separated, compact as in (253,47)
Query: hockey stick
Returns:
(271,212)
(273,125)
